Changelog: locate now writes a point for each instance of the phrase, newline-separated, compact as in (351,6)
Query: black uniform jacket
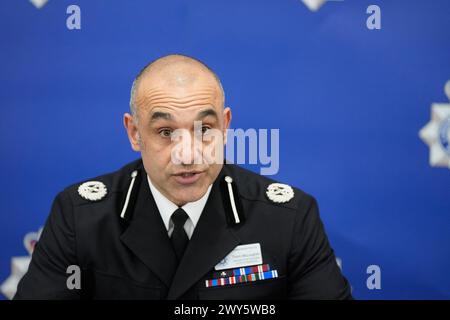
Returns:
(132,257)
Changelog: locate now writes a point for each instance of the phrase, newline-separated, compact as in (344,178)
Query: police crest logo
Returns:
(314,5)
(19,265)
(436,134)
(39,3)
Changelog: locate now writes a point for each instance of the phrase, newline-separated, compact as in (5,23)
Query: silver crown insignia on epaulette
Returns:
(92,190)
(279,192)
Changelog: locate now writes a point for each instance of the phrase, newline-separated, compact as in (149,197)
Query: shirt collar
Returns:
(167,207)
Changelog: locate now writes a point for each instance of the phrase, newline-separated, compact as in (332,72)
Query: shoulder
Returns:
(257,188)
(100,188)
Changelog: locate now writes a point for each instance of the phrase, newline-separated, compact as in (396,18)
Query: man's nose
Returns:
(196,150)
(192,151)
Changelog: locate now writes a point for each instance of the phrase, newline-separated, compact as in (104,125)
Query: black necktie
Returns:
(179,237)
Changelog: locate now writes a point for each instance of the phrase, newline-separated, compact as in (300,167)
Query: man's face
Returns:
(165,108)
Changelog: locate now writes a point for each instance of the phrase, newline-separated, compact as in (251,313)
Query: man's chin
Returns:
(186,196)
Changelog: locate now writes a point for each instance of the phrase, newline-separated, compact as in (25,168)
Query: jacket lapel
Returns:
(147,236)
(211,241)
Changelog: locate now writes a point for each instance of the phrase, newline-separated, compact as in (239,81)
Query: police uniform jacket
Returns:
(128,254)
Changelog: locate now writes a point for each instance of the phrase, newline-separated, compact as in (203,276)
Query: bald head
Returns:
(173,72)
(178,117)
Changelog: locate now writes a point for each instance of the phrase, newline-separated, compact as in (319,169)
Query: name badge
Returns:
(241,256)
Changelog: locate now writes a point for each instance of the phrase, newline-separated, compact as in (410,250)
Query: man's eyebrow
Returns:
(208,112)
(160,115)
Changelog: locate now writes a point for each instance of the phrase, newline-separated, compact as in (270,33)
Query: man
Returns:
(169,226)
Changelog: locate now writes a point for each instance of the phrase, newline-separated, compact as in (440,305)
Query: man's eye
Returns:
(205,129)
(165,133)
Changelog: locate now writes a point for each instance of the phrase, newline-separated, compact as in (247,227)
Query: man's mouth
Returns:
(187,177)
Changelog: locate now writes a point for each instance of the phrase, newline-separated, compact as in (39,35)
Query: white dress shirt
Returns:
(167,207)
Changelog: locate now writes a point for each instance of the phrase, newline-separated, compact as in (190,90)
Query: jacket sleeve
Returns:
(55,251)
(312,269)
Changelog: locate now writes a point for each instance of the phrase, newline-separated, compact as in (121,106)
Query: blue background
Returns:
(349,103)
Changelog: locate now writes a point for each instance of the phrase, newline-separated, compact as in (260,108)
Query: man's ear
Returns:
(132,131)
(226,123)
